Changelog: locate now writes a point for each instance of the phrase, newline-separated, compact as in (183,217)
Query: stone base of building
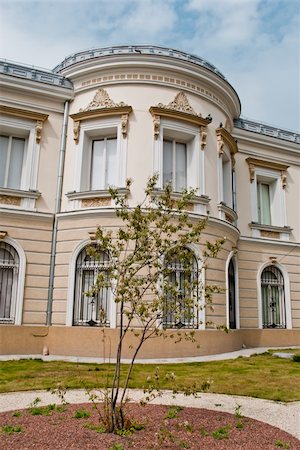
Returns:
(102,343)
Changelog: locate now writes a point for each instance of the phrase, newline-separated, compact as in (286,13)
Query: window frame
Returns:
(19,293)
(186,134)
(91,130)
(26,129)
(287,297)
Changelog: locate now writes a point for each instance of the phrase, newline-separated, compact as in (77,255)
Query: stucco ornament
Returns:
(180,103)
(102,100)
(38,131)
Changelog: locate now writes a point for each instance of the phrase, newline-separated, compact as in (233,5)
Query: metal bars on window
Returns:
(91,310)
(9,269)
(182,292)
(273,301)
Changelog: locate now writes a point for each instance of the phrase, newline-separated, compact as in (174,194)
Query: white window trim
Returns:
(14,126)
(287,298)
(278,207)
(21,279)
(221,193)
(93,126)
(237,301)
(195,161)
(71,288)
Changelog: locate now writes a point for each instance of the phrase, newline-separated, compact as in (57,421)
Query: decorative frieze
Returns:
(10,200)
(95,202)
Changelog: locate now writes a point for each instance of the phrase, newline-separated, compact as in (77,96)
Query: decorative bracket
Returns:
(224,137)
(102,106)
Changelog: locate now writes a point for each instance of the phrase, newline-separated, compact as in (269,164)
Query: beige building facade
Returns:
(109,114)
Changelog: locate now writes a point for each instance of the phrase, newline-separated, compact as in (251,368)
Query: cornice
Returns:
(35,88)
(172,114)
(263,241)
(267,164)
(266,140)
(101,112)
(24,113)
(17,213)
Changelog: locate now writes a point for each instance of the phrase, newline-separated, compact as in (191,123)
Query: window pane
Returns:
(3,158)
(97,163)
(180,164)
(263,201)
(167,162)
(111,162)
(16,163)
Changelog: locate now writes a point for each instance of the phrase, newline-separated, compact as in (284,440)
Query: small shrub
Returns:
(296,358)
(81,414)
(221,433)
(203,431)
(116,447)
(98,429)
(280,444)
(173,412)
(237,412)
(10,429)
(16,414)
(240,425)
(184,444)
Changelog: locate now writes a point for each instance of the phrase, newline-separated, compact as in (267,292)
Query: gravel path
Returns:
(285,416)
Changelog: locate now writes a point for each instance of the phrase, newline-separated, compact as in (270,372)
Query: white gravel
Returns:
(285,416)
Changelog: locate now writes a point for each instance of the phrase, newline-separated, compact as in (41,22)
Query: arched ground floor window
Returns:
(273,298)
(96,309)
(9,276)
(181,291)
(232,295)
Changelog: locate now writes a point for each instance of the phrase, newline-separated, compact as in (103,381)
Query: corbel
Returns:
(252,172)
(156,124)
(76,130)
(124,125)
(92,235)
(283,179)
(3,234)
(220,143)
(203,135)
(38,131)
(273,259)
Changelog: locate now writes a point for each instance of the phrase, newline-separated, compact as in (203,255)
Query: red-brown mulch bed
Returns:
(192,428)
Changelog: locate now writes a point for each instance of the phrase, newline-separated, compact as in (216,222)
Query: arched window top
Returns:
(8,255)
(186,260)
(85,260)
(272,275)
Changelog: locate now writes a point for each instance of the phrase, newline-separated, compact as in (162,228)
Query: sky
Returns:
(254,43)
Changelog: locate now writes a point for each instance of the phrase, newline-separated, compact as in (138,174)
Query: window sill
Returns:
(18,193)
(227,213)
(197,204)
(270,231)
(94,199)
(103,193)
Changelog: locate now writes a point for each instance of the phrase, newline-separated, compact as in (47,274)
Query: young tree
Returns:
(154,277)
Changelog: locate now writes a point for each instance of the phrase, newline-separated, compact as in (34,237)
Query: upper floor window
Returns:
(268,204)
(12,151)
(103,163)
(175,164)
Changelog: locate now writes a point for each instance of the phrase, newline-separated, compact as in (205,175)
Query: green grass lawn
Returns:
(262,376)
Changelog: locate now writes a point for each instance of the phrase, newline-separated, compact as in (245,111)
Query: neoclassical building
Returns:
(108,114)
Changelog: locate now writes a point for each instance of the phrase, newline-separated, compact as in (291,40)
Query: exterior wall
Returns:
(143,81)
